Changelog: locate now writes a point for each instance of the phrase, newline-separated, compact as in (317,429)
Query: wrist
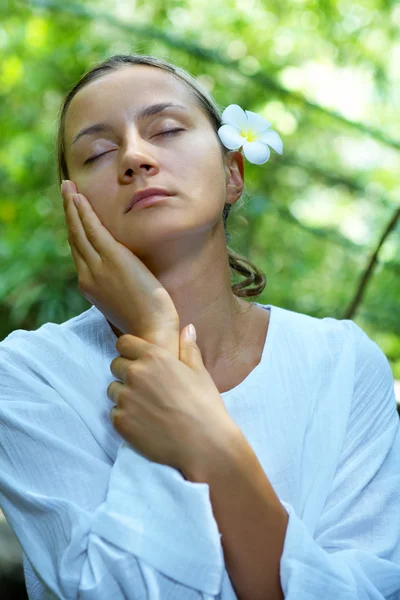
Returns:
(218,456)
(165,338)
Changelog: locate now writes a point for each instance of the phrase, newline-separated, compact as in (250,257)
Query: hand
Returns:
(112,278)
(169,409)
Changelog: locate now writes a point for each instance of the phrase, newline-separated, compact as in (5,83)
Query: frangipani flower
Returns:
(250,130)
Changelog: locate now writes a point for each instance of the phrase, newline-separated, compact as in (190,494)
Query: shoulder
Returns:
(55,344)
(327,345)
(307,327)
(316,342)
(374,406)
(314,331)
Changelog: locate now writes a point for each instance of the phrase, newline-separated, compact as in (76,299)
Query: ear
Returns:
(234,167)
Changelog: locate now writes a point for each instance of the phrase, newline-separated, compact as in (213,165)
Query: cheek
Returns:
(200,164)
(98,189)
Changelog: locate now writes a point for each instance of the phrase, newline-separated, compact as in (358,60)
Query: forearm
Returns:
(250,518)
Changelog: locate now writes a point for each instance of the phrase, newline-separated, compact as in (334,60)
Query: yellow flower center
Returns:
(250,135)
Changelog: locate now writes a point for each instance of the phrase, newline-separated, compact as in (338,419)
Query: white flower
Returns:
(250,130)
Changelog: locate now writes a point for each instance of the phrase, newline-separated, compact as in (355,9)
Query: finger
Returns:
(77,256)
(133,347)
(112,414)
(76,232)
(114,390)
(83,251)
(119,367)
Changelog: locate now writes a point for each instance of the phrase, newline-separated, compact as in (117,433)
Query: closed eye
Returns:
(169,132)
(93,158)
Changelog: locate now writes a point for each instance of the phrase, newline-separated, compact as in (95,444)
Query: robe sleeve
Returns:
(90,528)
(354,552)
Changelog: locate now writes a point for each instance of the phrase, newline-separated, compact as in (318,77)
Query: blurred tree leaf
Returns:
(325,74)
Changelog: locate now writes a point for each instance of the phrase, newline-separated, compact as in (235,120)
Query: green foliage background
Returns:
(315,215)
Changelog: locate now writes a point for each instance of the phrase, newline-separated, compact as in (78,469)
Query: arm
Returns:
(93,529)
(354,554)
(251,519)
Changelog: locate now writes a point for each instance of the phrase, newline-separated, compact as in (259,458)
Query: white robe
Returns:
(98,521)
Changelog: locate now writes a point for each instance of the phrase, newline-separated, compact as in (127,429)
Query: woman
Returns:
(260,460)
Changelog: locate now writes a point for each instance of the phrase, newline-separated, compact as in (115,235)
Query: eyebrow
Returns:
(140,114)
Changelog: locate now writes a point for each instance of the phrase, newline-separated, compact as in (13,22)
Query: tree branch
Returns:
(351,309)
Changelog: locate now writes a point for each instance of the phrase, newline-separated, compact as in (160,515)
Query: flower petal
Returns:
(256,122)
(256,152)
(272,139)
(230,137)
(234,115)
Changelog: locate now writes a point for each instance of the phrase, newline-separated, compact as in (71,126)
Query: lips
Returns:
(144,194)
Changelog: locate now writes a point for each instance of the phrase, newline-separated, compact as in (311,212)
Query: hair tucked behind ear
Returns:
(253,275)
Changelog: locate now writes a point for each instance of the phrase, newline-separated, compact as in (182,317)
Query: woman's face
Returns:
(132,153)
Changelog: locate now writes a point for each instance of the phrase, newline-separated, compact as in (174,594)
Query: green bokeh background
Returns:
(324,74)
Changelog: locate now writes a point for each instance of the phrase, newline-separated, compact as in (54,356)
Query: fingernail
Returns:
(192,332)
(64,186)
(77,200)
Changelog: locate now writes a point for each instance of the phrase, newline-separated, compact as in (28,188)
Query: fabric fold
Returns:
(154,513)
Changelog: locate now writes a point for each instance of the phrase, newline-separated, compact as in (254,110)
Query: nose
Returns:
(137,158)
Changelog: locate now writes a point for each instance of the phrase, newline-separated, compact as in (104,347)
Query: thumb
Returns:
(189,352)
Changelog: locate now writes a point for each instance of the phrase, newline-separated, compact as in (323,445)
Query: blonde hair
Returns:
(254,276)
